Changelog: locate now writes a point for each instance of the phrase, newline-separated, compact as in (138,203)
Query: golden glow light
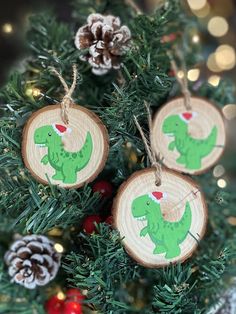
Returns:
(214,80)
(195,39)
(218,26)
(232,220)
(180,74)
(58,247)
(225,57)
(202,12)
(193,75)
(229,111)
(7,28)
(197,4)
(35,92)
(61,295)
(212,64)
(218,171)
(221,183)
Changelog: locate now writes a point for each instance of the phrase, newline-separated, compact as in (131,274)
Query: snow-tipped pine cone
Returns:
(32,261)
(106,41)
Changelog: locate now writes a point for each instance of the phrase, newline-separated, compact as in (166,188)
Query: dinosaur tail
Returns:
(84,155)
(185,221)
(210,142)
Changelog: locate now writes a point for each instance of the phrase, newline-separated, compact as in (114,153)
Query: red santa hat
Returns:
(157,196)
(61,129)
(187,116)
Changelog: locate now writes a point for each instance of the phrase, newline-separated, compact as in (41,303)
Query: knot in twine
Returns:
(183,82)
(154,160)
(67,99)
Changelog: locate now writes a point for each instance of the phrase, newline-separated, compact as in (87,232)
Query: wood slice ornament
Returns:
(160,224)
(67,156)
(65,152)
(189,141)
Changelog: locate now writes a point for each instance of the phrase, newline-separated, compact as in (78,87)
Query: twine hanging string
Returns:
(149,145)
(183,82)
(67,99)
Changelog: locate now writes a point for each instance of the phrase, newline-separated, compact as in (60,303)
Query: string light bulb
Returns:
(218,26)
(180,74)
(61,295)
(225,57)
(33,91)
(218,171)
(58,247)
(193,75)
(197,4)
(214,80)
(203,12)
(221,183)
(229,111)
(195,39)
(7,28)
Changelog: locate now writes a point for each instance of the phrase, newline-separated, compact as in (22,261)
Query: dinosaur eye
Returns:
(176,124)
(148,203)
(49,134)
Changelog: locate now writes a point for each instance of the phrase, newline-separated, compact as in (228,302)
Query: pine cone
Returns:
(105,40)
(32,261)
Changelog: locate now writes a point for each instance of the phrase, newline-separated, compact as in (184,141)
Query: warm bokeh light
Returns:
(7,28)
(203,12)
(61,295)
(214,80)
(197,4)
(212,64)
(180,74)
(225,57)
(221,183)
(58,247)
(193,74)
(35,92)
(232,220)
(218,171)
(229,111)
(218,26)
(195,39)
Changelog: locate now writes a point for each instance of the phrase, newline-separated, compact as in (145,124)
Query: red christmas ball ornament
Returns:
(109,220)
(105,188)
(89,223)
(71,307)
(74,295)
(54,305)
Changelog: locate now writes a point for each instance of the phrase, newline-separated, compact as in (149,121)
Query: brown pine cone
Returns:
(32,261)
(105,40)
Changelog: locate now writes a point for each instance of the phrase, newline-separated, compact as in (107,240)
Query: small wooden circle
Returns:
(189,141)
(71,155)
(162,224)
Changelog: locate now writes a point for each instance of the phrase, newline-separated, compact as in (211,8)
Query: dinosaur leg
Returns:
(181,160)
(159,249)
(193,161)
(172,250)
(58,175)
(69,174)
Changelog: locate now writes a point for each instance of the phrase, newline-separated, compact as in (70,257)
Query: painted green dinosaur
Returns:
(191,150)
(167,236)
(66,164)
